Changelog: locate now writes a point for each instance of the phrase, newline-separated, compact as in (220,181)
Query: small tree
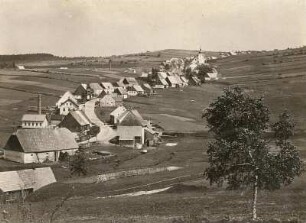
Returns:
(78,163)
(240,155)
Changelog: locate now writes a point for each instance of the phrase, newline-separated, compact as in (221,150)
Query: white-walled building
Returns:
(34,121)
(39,145)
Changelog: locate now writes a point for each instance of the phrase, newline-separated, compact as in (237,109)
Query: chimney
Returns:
(110,64)
(39,104)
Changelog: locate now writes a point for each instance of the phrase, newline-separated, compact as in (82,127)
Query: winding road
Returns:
(106,132)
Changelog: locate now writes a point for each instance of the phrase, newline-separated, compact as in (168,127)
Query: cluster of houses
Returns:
(170,79)
(122,89)
(45,137)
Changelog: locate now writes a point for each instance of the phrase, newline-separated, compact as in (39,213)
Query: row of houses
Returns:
(125,87)
(170,79)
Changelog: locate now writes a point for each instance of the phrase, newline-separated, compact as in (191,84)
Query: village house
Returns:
(131,91)
(121,92)
(39,145)
(82,92)
(119,84)
(138,89)
(172,81)
(194,80)
(64,97)
(184,81)
(129,81)
(178,80)
(114,115)
(96,89)
(161,83)
(130,129)
(107,101)
(34,121)
(70,104)
(77,122)
(151,137)
(16,185)
(147,89)
(212,75)
(107,87)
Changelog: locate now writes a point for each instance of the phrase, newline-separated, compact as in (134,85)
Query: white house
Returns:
(114,115)
(95,88)
(108,87)
(130,129)
(212,75)
(34,121)
(70,104)
(39,145)
(107,101)
(64,97)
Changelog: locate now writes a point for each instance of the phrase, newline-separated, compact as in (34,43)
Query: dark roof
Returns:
(41,140)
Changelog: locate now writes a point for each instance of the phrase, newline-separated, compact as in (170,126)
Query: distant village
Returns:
(72,123)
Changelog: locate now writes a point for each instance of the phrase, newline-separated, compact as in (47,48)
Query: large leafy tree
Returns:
(241,154)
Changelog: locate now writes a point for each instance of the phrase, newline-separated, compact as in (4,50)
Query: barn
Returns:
(18,184)
(39,145)
(76,121)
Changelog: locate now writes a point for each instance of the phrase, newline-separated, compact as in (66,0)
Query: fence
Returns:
(130,173)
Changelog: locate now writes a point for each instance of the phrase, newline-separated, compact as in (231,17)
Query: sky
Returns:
(112,27)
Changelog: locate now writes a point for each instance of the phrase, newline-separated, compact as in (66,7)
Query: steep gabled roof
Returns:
(107,97)
(131,80)
(120,91)
(138,88)
(33,118)
(162,75)
(147,86)
(107,85)
(172,80)
(131,118)
(41,140)
(64,98)
(72,100)
(95,86)
(163,82)
(26,179)
(80,117)
(184,79)
(118,111)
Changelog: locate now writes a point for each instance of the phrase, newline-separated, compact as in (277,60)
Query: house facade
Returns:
(95,88)
(114,115)
(107,101)
(76,121)
(69,105)
(108,87)
(82,93)
(34,121)
(39,145)
(130,129)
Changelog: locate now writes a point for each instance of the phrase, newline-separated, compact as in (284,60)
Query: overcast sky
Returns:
(106,27)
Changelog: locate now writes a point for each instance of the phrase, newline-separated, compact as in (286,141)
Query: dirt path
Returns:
(106,133)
